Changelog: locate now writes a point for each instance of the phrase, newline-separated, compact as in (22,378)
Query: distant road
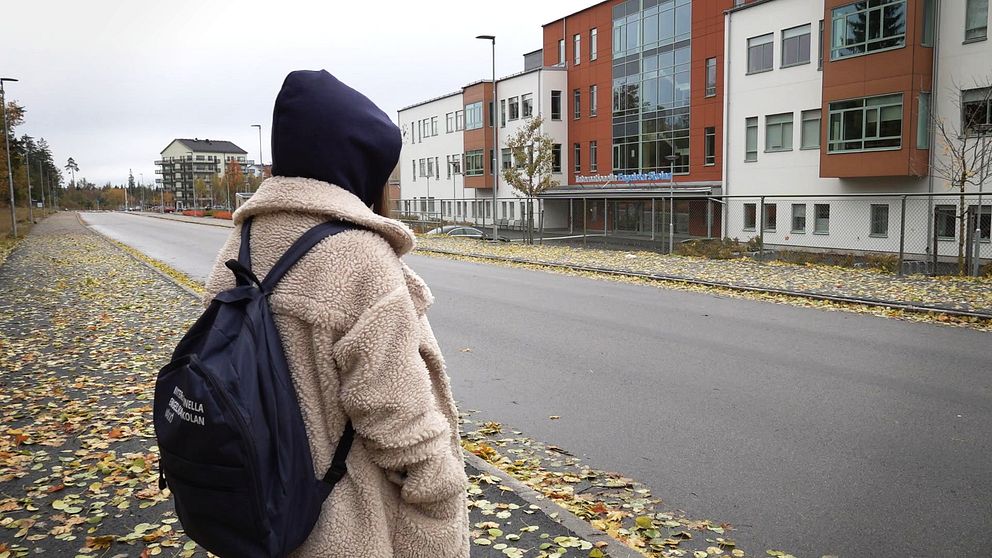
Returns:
(815,432)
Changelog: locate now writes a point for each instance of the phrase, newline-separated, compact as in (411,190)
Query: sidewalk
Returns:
(84,328)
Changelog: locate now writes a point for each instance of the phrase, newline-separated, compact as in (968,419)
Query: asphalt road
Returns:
(814,432)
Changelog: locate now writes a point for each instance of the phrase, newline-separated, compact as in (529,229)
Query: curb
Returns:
(916,309)
(581,528)
(164,218)
(127,252)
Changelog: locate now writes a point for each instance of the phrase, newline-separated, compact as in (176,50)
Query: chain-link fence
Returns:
(943,233)
(903,233)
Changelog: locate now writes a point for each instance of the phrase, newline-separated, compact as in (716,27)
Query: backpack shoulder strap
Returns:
(244,252)
(338,468)
(299,249)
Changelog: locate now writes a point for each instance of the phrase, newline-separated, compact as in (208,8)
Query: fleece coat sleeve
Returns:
(386,389)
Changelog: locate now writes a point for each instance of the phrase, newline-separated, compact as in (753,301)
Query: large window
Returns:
(577,156)
(795,46)
(594,44)
(514,103)
(868,26)
(449,122)
(811,129)
(710,146)
(778,132)
(473,163)
(751,140)
(577,48)
(505,158)
(771,217)
(879,219)
(527,105)
(459,120)
(976,20)
(945,217)
(502,113)
(821,218)
(473,116)
(593,99)
(750,216)
(976,110)
(929,21)
(556,105)
(651,86)
(577,104)
(760,53)
(865,124)
(923,122)
(710,77)
(561,52)
(556,157)
(593,156)
(799,218)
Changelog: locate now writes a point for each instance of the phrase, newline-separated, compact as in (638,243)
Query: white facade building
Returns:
(778,139)
(433,173)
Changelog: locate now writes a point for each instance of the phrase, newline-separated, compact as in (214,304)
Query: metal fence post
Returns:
(652,218)
(936,240)
(585,215)
(671,222)
(571,217)
(902,236)
(709,218)
(761,229)
(540,206)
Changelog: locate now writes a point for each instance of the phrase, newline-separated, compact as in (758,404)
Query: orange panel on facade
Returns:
(480,138)
(905,70)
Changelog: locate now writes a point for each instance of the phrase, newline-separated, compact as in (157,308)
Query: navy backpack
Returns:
(234,450)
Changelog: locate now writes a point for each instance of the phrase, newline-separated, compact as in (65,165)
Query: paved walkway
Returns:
(84,328)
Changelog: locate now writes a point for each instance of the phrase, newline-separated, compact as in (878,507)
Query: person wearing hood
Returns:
(352,319)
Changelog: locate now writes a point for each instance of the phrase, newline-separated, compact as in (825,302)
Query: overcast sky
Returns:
(111,83)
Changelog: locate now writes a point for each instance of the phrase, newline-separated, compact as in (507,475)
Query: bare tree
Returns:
(533,157)
(966,154)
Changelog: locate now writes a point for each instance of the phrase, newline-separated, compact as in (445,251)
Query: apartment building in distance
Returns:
(184,161)
(835,98)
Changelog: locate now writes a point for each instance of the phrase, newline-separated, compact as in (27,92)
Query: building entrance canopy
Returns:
(636,190)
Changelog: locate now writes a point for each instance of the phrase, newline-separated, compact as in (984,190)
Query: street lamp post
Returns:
(27,165)
(41,181)
(671,201)
(492,122)
(10,172)
(261,164)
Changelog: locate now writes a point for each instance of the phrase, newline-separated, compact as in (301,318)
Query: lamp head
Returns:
(487,37)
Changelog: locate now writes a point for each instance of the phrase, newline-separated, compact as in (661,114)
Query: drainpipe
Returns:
(726,119)
(933,136)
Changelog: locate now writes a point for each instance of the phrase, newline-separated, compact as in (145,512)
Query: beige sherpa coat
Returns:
(351,318)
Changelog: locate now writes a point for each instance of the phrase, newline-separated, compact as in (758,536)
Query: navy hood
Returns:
(325,130)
